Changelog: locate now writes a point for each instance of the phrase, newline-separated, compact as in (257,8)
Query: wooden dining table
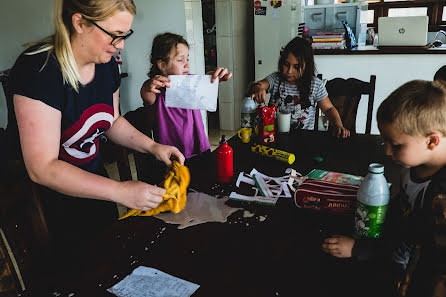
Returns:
(279,255)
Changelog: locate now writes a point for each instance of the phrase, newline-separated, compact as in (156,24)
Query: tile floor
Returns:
(215,136)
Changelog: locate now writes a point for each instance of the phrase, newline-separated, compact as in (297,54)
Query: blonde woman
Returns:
(65,95)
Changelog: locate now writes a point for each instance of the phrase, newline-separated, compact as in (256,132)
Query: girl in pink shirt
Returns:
(182,128)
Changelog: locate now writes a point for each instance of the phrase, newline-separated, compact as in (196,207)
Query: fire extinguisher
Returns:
(225,169)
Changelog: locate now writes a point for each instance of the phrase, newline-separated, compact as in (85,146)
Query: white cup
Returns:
(284,121)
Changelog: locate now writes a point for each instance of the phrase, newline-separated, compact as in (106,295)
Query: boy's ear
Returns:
(433,140)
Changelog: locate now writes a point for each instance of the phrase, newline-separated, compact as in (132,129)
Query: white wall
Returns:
(20,21)
(391,71)
(234,33)
(152,17)
(194,36)
(28,20)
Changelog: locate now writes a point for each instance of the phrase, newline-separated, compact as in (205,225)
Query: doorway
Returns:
(210,51)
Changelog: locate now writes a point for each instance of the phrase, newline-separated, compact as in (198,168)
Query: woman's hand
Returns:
(340,131)
(339,246)
(223,74)
(165,152)
(258,93)
(154,84)
(140,196)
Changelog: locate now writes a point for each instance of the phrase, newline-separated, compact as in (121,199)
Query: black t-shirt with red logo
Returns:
(85,114)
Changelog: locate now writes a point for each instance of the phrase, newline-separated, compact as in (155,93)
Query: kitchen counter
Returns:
(373,50)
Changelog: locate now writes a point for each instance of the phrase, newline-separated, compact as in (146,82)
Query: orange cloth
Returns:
(176,182)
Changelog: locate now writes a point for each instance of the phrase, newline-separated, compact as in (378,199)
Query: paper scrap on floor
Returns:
(192,92)
(274,187)
(150,282)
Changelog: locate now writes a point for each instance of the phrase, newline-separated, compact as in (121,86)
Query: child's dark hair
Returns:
(162,46)
(440,74)
(302,50)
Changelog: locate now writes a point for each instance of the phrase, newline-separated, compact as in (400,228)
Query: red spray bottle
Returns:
(224,154)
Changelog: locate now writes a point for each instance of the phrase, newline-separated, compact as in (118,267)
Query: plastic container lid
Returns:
(376,168)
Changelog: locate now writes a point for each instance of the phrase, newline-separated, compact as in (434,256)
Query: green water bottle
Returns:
(371,204)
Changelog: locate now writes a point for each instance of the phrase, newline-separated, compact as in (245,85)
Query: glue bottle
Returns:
(225,170)
(274,153)
(372,201)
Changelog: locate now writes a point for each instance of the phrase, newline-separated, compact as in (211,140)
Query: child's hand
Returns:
(165,152)
(159,81)
(339,246)
(258,94)
(340,131)
(223,74)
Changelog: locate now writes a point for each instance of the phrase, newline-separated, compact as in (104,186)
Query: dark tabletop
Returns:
(280,256)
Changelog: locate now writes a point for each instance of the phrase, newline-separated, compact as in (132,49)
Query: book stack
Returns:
(328,41)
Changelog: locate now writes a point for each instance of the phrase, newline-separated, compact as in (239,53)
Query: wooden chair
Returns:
(23,227)
(345,95)
(142,120)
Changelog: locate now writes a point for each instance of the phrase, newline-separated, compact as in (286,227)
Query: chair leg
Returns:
(11,282)
(408,274)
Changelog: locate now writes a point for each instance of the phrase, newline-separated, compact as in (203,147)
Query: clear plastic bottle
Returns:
(372,201)
(248,113)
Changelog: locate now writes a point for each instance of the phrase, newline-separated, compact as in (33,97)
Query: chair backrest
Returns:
(22,220)
(142,121)
(345,95)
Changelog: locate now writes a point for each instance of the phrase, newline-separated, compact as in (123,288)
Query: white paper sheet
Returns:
(192,92)
(150,282)
(259,199)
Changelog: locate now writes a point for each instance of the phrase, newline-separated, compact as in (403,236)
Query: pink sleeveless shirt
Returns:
(182,128)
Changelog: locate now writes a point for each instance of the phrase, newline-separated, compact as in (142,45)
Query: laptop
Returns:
(402,31)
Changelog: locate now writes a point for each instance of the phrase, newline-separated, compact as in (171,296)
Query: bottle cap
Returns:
(223,139)
(376,168)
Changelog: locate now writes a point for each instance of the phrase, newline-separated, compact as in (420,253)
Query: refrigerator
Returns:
(275,24)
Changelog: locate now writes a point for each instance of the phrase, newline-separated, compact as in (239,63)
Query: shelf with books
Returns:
(328,40)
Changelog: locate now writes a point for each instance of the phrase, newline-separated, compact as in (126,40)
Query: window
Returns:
(434,9)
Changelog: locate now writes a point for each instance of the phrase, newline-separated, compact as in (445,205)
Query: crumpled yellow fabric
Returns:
(176,182)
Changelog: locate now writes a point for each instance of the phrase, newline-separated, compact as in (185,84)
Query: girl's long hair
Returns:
(302,50)
(162,47)
(60,42)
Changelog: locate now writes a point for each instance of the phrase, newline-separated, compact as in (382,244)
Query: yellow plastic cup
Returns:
(245,134)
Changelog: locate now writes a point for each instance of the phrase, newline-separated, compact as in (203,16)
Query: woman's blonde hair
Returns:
(416,108)
(59,42)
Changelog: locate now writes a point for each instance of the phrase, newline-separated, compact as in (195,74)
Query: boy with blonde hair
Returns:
(412,122)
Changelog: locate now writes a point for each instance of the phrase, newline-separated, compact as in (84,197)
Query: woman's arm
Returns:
(123,133)
(39,127)
(257,90)
(333,117)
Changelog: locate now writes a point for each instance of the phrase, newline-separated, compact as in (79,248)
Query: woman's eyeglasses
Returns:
(115,39)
